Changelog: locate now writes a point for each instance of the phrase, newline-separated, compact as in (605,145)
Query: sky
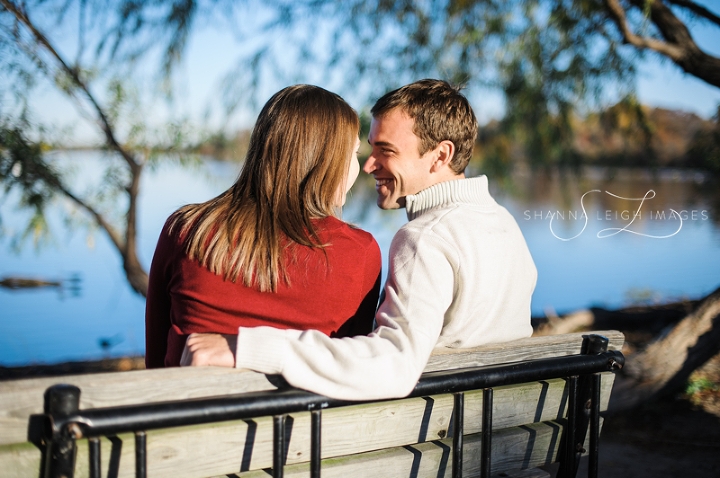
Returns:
(212,52)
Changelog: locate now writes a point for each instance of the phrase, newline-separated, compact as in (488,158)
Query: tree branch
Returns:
(114,236)
(128,247)
(136,275)
(694,60)
(617,13)
(73,74)
(698,10)
(678,44)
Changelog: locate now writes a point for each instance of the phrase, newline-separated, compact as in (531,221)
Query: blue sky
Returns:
(213,50)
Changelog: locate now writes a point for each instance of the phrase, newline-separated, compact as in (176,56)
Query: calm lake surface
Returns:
(608,239)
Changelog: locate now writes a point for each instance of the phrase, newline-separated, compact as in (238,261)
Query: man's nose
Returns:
(370,165)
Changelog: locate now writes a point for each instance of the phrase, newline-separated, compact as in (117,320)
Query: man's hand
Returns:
(209,349)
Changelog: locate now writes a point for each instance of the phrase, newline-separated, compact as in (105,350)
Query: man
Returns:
(460,272)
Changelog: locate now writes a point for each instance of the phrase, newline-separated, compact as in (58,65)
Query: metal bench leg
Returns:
(278,446)
(140,454)
(458,419)
(487,417)
(315,443)
(94,455)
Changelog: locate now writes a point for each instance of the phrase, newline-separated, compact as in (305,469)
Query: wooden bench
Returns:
(406,437)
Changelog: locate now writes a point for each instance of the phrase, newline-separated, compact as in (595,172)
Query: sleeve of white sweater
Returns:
(386,363)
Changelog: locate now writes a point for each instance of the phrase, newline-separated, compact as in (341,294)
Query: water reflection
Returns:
(97,315)
(672,189)
(633,247)
(70,285)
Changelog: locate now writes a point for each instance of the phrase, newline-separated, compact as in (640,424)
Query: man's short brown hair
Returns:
(440,113)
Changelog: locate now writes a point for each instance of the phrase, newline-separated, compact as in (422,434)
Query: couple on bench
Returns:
(267,277)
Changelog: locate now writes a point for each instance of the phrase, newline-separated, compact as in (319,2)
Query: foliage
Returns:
(623,134)
(22,160)
(704,151)
(698,384)
(701,388)
(550,59)
(494,151)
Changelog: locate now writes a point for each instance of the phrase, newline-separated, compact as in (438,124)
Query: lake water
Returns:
(605,240)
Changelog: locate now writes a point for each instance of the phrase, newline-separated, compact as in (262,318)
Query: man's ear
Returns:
(444,153)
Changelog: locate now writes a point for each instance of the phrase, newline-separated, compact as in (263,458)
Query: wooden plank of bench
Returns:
(20,460)
(21,398)
(223,448)
(525,447)
(531,348)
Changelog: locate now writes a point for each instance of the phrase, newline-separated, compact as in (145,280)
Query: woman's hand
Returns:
(209,349)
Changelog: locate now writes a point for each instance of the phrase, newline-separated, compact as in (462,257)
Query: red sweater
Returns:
(337,295)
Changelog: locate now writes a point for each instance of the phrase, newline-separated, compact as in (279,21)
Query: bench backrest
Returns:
(393,438)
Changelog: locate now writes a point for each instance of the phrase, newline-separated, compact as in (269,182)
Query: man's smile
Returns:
(382,182)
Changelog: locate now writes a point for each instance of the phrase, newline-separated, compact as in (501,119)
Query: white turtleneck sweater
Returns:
(460,276)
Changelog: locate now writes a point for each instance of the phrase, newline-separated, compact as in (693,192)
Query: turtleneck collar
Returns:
(471,191)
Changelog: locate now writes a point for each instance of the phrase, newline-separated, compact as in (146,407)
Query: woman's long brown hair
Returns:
(297,159)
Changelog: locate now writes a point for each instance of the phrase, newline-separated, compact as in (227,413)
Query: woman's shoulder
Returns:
(363,238)
(172,230)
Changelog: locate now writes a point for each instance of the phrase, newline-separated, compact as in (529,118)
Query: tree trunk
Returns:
(683,337)
(666,364)
(136,275)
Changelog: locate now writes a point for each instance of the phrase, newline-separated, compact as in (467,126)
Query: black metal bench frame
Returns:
(65,422)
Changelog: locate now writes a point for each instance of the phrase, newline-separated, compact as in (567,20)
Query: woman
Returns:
(269,250)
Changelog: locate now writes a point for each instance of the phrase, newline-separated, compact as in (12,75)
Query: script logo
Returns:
(611,231)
